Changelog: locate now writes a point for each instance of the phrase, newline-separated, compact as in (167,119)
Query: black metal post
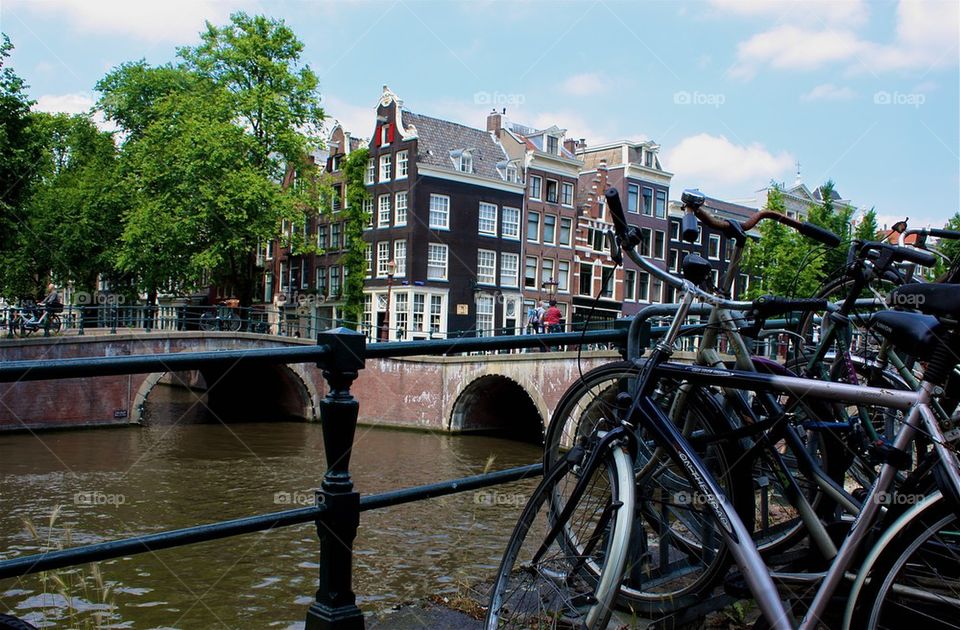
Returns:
(80,308)
(336,607)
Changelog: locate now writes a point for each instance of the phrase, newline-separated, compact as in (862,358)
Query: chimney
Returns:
(570,145)
(495,122)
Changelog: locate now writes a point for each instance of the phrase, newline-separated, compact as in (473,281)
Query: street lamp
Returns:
(391,269)
(551,287)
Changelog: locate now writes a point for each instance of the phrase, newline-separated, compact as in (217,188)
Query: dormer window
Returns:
(385,135)
(648,159)
(466,162)
(553,145)
(511,173)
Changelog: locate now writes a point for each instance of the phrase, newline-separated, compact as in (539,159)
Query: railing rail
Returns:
(340,353)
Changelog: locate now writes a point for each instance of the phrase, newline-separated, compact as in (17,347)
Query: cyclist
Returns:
(551,318)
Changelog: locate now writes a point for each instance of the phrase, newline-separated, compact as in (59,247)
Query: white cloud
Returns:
(926,37)
(847,11)
(73,103)
(723,168)
(829,92)
(171,20)
(359,120)
(585,84)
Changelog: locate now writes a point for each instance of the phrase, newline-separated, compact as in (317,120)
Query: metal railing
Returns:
(340,353)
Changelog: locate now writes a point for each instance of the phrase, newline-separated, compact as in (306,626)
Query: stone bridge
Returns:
(510,394)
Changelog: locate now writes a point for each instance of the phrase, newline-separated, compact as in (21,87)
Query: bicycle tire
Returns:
(9,622)
(231,322)
(208,321)
(917,576)
(648,589)
(567,586)
(55,323)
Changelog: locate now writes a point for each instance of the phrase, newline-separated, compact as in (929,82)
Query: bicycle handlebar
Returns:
(897,253)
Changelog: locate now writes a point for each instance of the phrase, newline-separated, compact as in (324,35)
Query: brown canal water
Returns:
(103,485)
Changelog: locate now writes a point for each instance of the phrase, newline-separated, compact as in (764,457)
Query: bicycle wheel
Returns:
(916,578)
(231,321)
(677,555)
(208,321)
(55,323)
(544,581)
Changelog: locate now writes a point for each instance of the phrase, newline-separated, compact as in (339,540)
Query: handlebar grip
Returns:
(819,234)
(923,258)
(616,211)
(689,227)
(938,233)
(769,305)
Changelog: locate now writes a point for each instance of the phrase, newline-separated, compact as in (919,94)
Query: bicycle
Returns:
(27,321)
(639,409)
(222,318)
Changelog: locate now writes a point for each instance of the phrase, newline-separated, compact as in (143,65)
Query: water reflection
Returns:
(108,484)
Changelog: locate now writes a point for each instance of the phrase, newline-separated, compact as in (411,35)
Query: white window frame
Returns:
(486,267)
(400,218)
(490,208)
(383,211)
(371,173)
(403,167)
(536,185)
(386,167)
(368,208)
(514,234)
(400,257)
(437,253)
(486,307)
(713,238)
(369,259)
(564,188)
(383,258)
(569,241)
(443,213)
(466,162)
(509,269)
(629,285)
(563,271)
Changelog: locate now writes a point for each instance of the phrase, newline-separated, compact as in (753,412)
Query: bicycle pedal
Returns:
(735,585)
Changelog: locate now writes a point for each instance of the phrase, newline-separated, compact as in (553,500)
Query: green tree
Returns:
(782,262)
(131,93)
(837,220)
(868,228)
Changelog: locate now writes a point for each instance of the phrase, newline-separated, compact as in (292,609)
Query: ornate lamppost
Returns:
(391,270)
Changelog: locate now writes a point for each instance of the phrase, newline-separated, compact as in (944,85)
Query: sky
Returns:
(736,92)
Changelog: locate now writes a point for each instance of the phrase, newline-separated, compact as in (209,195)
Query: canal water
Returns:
(62,489)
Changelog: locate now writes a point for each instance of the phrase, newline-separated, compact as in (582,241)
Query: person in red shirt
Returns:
(551,318)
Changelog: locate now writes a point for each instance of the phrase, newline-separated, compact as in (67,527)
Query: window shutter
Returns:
(390,132)
(377,139)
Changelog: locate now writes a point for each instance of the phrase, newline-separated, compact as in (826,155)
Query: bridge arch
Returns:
(276,392)
(497,404)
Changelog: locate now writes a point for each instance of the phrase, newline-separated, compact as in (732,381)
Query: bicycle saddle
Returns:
(915,333)
(940,300)
(693,197)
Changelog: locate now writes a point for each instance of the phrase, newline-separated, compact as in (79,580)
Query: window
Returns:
(633,199)
(485,315)
(563,276)
(440,212)
(488,219)
(566,194)
(269,250)
(509,267)
(369,249)
(334,236)
(436,261)
(512,173)
(400,209)
(648,159)
(486,266)
(533,226)
(713,247)
(553,190)
(553,145)
(729,246)
(586,279)
(401,317)
(337,196)
(386,167)
(436,313)
(599,240)
(402,167)
(535,184)
(321,275)
(715,277)
(510,222)
(645,236)
(565,225)
(466,162)
(643,287)
(335,281)
(659,240)
(546,272)
(629,284)
(674,260)
(368,210)
(400,257)
(699,240)
(418,309)
(607,274)
(530,273)
(383,258)
(321,238)
(656,291)
(549,228)
(371,172)
(674,230)
(661,209)
(383,219)
(648,201)
(385,135)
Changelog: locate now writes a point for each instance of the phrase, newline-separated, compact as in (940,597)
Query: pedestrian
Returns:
(533,320)
(551,318)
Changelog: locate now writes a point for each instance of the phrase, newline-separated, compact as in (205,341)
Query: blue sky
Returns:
(734,91)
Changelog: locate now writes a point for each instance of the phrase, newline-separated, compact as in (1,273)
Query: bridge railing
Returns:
(340,353)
